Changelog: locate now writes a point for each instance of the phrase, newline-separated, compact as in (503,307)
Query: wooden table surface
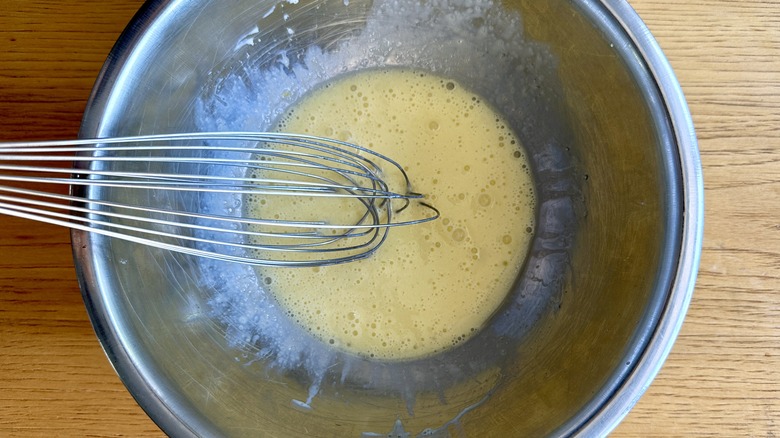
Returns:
(722,377)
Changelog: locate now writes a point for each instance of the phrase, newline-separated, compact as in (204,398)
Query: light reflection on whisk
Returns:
(146,189)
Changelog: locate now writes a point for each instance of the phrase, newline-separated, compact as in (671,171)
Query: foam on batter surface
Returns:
(430,286)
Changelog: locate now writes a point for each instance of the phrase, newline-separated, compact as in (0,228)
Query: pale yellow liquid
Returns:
(430,286)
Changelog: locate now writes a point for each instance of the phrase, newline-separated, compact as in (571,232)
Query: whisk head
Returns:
(258,198)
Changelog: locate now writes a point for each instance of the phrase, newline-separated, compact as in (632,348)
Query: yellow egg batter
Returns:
(430,286)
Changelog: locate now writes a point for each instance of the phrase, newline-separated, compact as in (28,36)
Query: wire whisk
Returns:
(266,199)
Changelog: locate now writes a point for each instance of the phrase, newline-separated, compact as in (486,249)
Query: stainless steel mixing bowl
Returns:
(601,297)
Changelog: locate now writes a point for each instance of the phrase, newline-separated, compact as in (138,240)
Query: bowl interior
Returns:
(588,111)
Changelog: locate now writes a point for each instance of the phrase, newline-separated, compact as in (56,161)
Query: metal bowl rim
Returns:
(171,414)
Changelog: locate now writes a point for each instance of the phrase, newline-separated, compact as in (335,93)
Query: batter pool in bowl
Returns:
(430,286)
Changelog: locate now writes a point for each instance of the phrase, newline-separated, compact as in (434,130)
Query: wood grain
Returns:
(54,378)
(723,376)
